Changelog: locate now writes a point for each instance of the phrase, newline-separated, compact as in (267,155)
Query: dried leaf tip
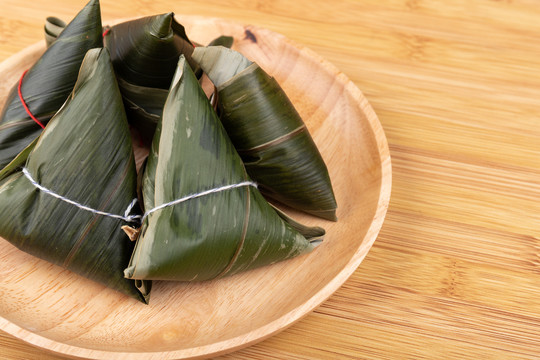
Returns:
(131,232)
(220,63)
(180,68)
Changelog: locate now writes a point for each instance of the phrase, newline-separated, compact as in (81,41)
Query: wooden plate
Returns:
(57,310)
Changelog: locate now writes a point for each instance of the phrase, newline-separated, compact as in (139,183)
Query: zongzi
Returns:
(47,84)
(144,53)
(204,217)
(268,133)
(66,196)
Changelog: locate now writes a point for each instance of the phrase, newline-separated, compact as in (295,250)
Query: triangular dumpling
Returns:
(144,53)
(47,84)
(84,155)
(214,234)
(268,132)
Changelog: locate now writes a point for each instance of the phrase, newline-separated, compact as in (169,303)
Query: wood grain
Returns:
(454,273)
(59,311)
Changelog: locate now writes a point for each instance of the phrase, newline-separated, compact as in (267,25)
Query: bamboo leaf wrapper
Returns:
(84,155)
(268,133)
(144,53)
(48,82)
(214,235)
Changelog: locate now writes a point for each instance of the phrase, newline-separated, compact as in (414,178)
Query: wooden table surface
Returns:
(455,271)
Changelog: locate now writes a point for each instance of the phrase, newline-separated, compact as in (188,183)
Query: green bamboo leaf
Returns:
(48,83)
(216,234)
(84,155)
(144,106)
(144,53)
(18,161)
(268,133)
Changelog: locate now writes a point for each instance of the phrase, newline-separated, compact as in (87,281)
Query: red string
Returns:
(24,103)
(22,99)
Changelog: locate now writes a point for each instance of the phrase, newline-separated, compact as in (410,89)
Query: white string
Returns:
(133,218)
(126,217)
(193,196)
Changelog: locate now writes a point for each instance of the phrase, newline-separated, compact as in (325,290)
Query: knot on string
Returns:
(25,106)
(132,218)
(137,219)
